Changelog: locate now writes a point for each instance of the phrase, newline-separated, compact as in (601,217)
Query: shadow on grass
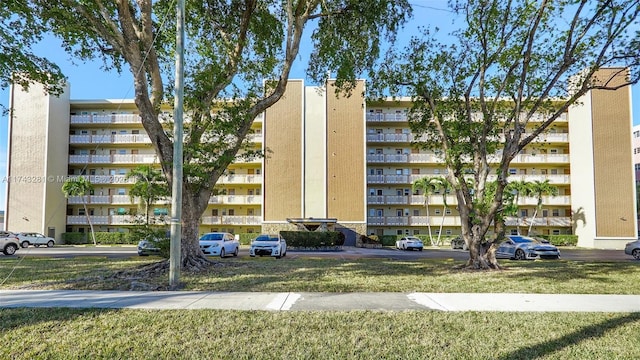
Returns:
(549,347)
(14,318)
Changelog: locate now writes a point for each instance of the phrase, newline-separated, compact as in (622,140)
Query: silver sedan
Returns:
(526,248)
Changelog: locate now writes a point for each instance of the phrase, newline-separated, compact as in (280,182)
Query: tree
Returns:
(80,186)
(428,186)
(19,29)
(538,190)
(233,47)
(150,186)
(519,188)
(444,186)
(477,93)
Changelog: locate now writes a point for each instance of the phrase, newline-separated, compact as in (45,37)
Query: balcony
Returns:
(541,159)
(558,221)
(387,179)
(107,200)
(382,117)
(110,139)
(553,178)
(236,200)
(106,119)
(240,179)
(108,179)
(231,220)
(387,158)
(113,159)
(112,220)
(391,138)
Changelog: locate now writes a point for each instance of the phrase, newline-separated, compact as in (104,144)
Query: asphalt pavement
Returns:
(305,301)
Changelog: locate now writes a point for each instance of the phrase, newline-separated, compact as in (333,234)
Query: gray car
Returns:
(520,247)
(633,249)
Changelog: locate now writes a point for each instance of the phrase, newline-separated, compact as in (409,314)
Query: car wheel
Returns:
(222,252)
(235,253)
(636,254)
(520,255)
(24,244)
(50,243)
(284,254)
(10,249)
(404,247)
(419,249)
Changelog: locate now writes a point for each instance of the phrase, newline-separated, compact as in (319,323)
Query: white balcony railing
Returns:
(236,200)
(240,179)
(455,221)
(110,139)
(106,119)
(113,159)
(231,220)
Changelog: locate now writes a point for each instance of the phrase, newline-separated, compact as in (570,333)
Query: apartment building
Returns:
(336,162)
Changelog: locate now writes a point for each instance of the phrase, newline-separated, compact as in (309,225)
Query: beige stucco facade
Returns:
(37,161)
(603,185)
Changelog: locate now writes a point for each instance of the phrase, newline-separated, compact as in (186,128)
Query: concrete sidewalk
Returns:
(290,301)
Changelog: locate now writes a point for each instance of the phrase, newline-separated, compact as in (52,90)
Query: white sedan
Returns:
(409,243)
(219,244)
(35,239)
(271,245)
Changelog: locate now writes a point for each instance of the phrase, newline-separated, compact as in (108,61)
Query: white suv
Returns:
(35,239)
(8,243)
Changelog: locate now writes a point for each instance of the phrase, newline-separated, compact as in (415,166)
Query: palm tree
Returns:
(149,187)
(80,186)
(519,188)
(539,189)
(428,186)
(444,186)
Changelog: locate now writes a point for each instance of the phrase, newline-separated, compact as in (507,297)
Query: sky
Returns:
(88,81)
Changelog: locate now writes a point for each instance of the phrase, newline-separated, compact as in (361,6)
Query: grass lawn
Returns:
(214,334)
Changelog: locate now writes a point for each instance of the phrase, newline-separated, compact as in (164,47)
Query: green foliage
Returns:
(75,238)
(313,239)
(562,240)
(371,239)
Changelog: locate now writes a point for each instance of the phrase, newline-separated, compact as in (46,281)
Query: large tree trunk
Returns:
(193,206)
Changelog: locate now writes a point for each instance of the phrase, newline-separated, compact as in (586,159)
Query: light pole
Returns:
(176,188)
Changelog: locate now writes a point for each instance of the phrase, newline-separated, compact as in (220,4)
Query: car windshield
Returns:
(520,240)
(266,238)
(213,237)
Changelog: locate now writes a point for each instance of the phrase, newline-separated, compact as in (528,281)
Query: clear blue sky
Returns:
(88,81)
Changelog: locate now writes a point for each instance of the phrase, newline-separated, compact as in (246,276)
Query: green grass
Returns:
(213,334)
(207,334)
(332,275)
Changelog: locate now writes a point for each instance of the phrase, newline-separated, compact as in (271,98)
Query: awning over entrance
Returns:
(314,224)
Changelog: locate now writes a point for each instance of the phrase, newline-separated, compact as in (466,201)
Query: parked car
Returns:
(633,249)
(219,244)
(268,244)
(458,243)
(9,242)
(35,239)
(526,248)
(148,247)
(409,243)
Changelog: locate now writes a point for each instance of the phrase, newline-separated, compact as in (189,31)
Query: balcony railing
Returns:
(236,200)
(240,179)
(382,117)
(231,220)
(108,200)
(113,220)
(455,221)
(106,119)
(110,139)
(107,179)
(113,159)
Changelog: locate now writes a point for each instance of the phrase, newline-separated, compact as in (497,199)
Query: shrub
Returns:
(75,238)
(563,240)
(313,239)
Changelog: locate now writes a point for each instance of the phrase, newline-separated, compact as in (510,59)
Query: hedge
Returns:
(313,239)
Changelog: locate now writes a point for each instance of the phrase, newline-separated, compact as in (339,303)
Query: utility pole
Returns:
(176,188)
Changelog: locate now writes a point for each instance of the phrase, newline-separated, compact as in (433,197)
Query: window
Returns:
(407,192)
(398,232)
(122,211)
(81,212)
(416,212)
(448,232)
(448,212)
(555,232)
(437,211)
(121,191)
(555,212)
(512,171)
(398,212)
(122,151)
